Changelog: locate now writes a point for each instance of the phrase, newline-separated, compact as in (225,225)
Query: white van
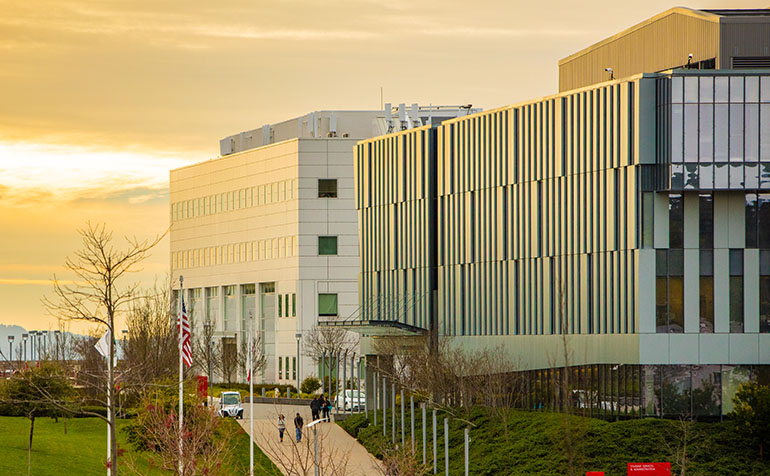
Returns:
(350,398)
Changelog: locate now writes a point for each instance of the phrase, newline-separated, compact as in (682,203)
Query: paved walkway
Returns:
(339,453)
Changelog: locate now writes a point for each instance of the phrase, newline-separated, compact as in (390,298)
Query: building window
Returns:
(280,307)
(764,291)
(327,304)
(293,305)
(286,305)
(327,188)
(287,367)
(294,368)
(669,291)
(707,291)
(327,245)
(280,368)
(736,291)
(676,221)
(706,221)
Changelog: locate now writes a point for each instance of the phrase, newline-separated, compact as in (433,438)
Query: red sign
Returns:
(649,469)
(595,473)
(203,386)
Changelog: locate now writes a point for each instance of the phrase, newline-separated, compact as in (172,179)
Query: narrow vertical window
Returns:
(661,291)
(764,291)
(293,305)
(707,291)
(706,221)
(751,220)
(676,290)
(763,220)
(286,305)
(280,368)
(294,368)
(736,291)
(280,307)
(676,221)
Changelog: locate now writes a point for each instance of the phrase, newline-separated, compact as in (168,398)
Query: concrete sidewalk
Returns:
(337,449)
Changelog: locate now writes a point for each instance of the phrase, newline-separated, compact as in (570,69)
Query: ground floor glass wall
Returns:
(614,391)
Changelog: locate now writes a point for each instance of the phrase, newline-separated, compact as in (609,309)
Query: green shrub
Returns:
(310,385)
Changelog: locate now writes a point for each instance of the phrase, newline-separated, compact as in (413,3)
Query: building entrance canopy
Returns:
(373,327)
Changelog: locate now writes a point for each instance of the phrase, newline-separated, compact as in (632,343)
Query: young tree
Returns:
(207,351)
(37,391)
(328,340)
(151,347)
(99,294)
(752,413)
(258,360)
(229,360)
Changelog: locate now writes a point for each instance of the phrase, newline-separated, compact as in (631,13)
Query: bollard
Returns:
(393,410)
(374,396)
(263,392)
(403,420)
(411,420)
(434,441)
(424,431)
(446,446)
(384,409)
(467,442)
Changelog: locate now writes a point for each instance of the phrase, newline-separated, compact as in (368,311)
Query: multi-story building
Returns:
(631,215)
(269,230)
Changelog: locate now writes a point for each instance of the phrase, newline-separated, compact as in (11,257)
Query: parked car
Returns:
(350,398)
(230,405)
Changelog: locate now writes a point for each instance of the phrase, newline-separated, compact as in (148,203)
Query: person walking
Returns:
(298,423)
(281,426)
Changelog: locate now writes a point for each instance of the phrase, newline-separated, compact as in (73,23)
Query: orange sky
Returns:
(99,99)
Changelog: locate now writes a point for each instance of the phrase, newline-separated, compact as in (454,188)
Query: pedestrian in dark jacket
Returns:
(315,408)
(298,423)
(326,407)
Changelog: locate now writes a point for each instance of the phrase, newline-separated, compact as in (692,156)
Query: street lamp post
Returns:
(24,338)
(298,335)
(10,351)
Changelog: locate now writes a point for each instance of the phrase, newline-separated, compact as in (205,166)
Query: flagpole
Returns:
(181,373)
(109,413)
(251,392)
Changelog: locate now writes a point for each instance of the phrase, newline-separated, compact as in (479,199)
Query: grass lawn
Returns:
(535,444)
(82,451)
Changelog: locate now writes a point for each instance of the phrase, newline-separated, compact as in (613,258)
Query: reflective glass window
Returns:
(677,176)
(677,85)
(676,389)
(706,133)
(691,132)
(706,291)
(648,219)
(706,220)
(751,172)
(691,89)
(751,147)
(676,221)
(327,245)
(736,176)
(736,290)
(706,390)
(327,304)
(764,290)
(677,136)
(721,176)
(763,220)
(707,89)
(736,89)
(751,220)
(721,131)
(706,176)
(661,291)
(721,89)
(764,132)
(764,95)
(764,175)
(690,176)
(676,291)
(752,89)
(736,132)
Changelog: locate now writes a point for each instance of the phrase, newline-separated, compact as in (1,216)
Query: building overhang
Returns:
(373,327)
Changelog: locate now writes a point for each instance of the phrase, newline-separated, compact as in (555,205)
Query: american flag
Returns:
(186,348)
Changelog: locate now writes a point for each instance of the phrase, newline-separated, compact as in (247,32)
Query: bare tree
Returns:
(501,383)
(207,351)
(151,347)
(328,340)
(684,442)
(98,294)
(258,360)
